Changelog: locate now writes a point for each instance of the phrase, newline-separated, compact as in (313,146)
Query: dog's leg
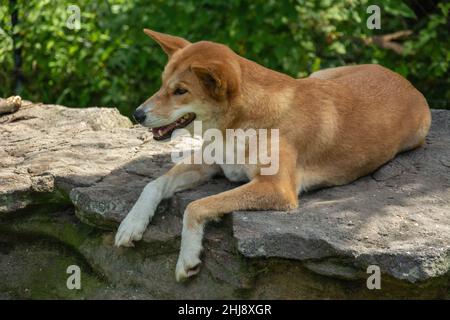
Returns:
(180,177)
(262,193)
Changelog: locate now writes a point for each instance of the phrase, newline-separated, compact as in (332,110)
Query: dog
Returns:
(335,126)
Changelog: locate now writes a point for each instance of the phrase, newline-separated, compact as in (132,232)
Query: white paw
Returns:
(131,229)
(188,265)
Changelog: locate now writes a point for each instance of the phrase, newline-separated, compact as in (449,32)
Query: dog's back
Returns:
(376,114)
(390,93)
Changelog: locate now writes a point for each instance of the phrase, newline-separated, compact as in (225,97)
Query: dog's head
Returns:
(200,81)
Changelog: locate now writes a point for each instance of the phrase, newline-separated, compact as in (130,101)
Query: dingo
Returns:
(335,126)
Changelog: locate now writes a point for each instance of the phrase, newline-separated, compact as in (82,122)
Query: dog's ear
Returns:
(218,80)
(170,44)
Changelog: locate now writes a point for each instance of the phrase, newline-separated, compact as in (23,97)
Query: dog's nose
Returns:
(139,115)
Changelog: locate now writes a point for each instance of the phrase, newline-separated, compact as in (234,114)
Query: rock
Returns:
(12,104)
(44,240)
(37,248)
(396,218)
(49,148)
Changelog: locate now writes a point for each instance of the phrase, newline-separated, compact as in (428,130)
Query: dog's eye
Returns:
(179,91)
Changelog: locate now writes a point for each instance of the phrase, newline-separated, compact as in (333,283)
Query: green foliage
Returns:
(110,62)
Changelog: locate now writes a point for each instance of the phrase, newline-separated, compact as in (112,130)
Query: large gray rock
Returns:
(11,104)
(36,249)
(47,150)
(398,218)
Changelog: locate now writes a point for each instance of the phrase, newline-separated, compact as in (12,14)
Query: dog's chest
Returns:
(235,172)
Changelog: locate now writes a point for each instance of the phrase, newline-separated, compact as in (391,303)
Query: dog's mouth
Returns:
(165,132)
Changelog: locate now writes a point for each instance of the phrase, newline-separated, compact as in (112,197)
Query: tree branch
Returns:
(387,41)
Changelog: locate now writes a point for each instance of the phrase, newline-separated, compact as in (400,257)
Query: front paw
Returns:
(188,265)
(131,229)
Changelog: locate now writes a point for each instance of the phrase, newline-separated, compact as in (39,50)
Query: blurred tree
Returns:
(110,62)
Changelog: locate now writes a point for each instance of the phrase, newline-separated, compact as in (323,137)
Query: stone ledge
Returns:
(398,218)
